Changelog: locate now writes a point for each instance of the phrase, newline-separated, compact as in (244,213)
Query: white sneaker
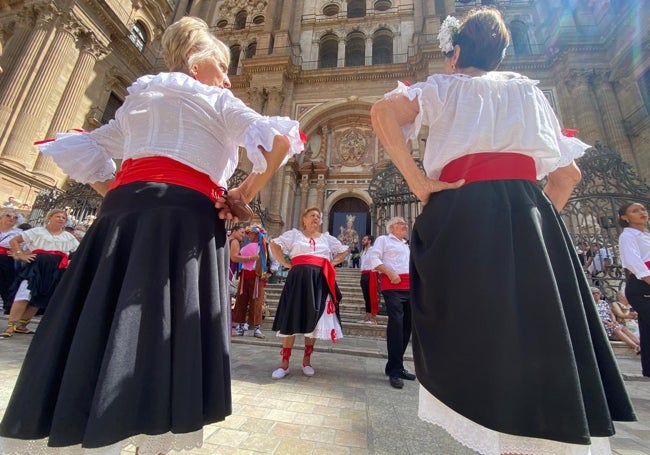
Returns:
(280,373)
(307,370)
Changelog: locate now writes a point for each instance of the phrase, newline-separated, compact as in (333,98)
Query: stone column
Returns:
(584,106)
(64,117)
(34,29)
(19,148)
(304,193)
(320,191)
(256,98)
(274,107)
(611,116)
(368,59)
(340,56)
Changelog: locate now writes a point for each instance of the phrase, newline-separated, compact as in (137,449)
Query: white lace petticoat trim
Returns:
(490,442)
(148,445)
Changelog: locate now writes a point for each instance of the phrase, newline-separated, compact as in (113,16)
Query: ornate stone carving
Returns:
(352,147)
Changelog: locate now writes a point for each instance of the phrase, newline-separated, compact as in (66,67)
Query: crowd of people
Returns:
(147,298)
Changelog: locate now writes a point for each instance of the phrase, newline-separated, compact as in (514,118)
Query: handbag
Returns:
(233,284)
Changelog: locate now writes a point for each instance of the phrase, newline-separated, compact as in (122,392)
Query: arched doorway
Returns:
(349,220)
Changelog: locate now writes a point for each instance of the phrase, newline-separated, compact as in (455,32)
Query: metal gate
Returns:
(80,202)
(391,197)
(592,212)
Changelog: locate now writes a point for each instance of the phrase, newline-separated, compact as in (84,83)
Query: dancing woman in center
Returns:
(491,258)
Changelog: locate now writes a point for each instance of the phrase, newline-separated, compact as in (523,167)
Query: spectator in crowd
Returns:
(309,301)
(389,256)
(634,245)
(46,259)
(355,255)
(495,284)
(11,202)
(368,283)
(8,231)
(625,314)
(252,279)
(599,259)
(135,349)
(614,329)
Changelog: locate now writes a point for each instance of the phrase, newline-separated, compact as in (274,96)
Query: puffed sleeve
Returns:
(87,157)
(570,147)
(286,240)
(251,130)
(411,130)
(335,245)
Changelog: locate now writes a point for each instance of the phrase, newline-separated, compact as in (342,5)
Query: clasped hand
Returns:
(427,186)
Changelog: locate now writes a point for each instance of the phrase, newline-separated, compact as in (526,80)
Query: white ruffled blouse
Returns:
(173,115)
(499,111)
(295,243)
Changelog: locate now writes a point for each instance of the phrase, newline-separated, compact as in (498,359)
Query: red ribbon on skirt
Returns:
(4,251)
(328,270)
(373,291)
(63,263)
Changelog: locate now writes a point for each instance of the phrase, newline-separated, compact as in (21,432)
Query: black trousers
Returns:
(365,289)
(398,330)
(638,294)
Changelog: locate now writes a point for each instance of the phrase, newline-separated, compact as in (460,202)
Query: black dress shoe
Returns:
(406,375)
(396,382)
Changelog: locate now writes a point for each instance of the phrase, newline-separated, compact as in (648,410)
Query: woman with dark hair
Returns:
(368,282)
(309,301)
(491,258)
(634,245)
(135,348)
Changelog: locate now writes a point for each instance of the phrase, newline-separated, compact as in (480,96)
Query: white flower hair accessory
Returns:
(448,32)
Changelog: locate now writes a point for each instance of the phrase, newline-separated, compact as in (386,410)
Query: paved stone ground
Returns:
(348,407)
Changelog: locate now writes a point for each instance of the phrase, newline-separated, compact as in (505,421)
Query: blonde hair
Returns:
(53,212)
(189,41)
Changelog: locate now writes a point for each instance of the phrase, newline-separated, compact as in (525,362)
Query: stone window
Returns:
(331,10)
(328,51)
(138,36)
(355,49)
(257,20)
(222,23)
(240,20)
(520,39)
(112,105)
(356,8)
(382,47)
(251,50)
(383,5)
(235,52)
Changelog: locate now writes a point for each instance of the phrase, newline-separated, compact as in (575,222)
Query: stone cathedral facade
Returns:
(67,64)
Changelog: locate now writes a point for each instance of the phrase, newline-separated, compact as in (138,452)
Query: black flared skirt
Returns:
(7,278)
(505,331)
(303,300)
(135,343)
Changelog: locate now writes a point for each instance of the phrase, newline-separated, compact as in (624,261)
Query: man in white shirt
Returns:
(390,256)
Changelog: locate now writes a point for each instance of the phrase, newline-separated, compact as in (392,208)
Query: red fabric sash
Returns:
(647,264)
(479,167)
(4,251)
(166,170)
(403,285)
(373,291)
(328,270)
(63,264)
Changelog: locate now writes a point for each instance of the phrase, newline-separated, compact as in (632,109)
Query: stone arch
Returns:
(348,215)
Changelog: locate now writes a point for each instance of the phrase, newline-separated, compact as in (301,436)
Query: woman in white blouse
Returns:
(8,230)
(491,258)
(134,348)
(634,245)
(310,297)
(44,252)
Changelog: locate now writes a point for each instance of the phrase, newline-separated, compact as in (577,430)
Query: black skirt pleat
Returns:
(505,331)
(303,300)
(136,338)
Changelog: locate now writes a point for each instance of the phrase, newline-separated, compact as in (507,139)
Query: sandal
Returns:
(21,327)
(9,331)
